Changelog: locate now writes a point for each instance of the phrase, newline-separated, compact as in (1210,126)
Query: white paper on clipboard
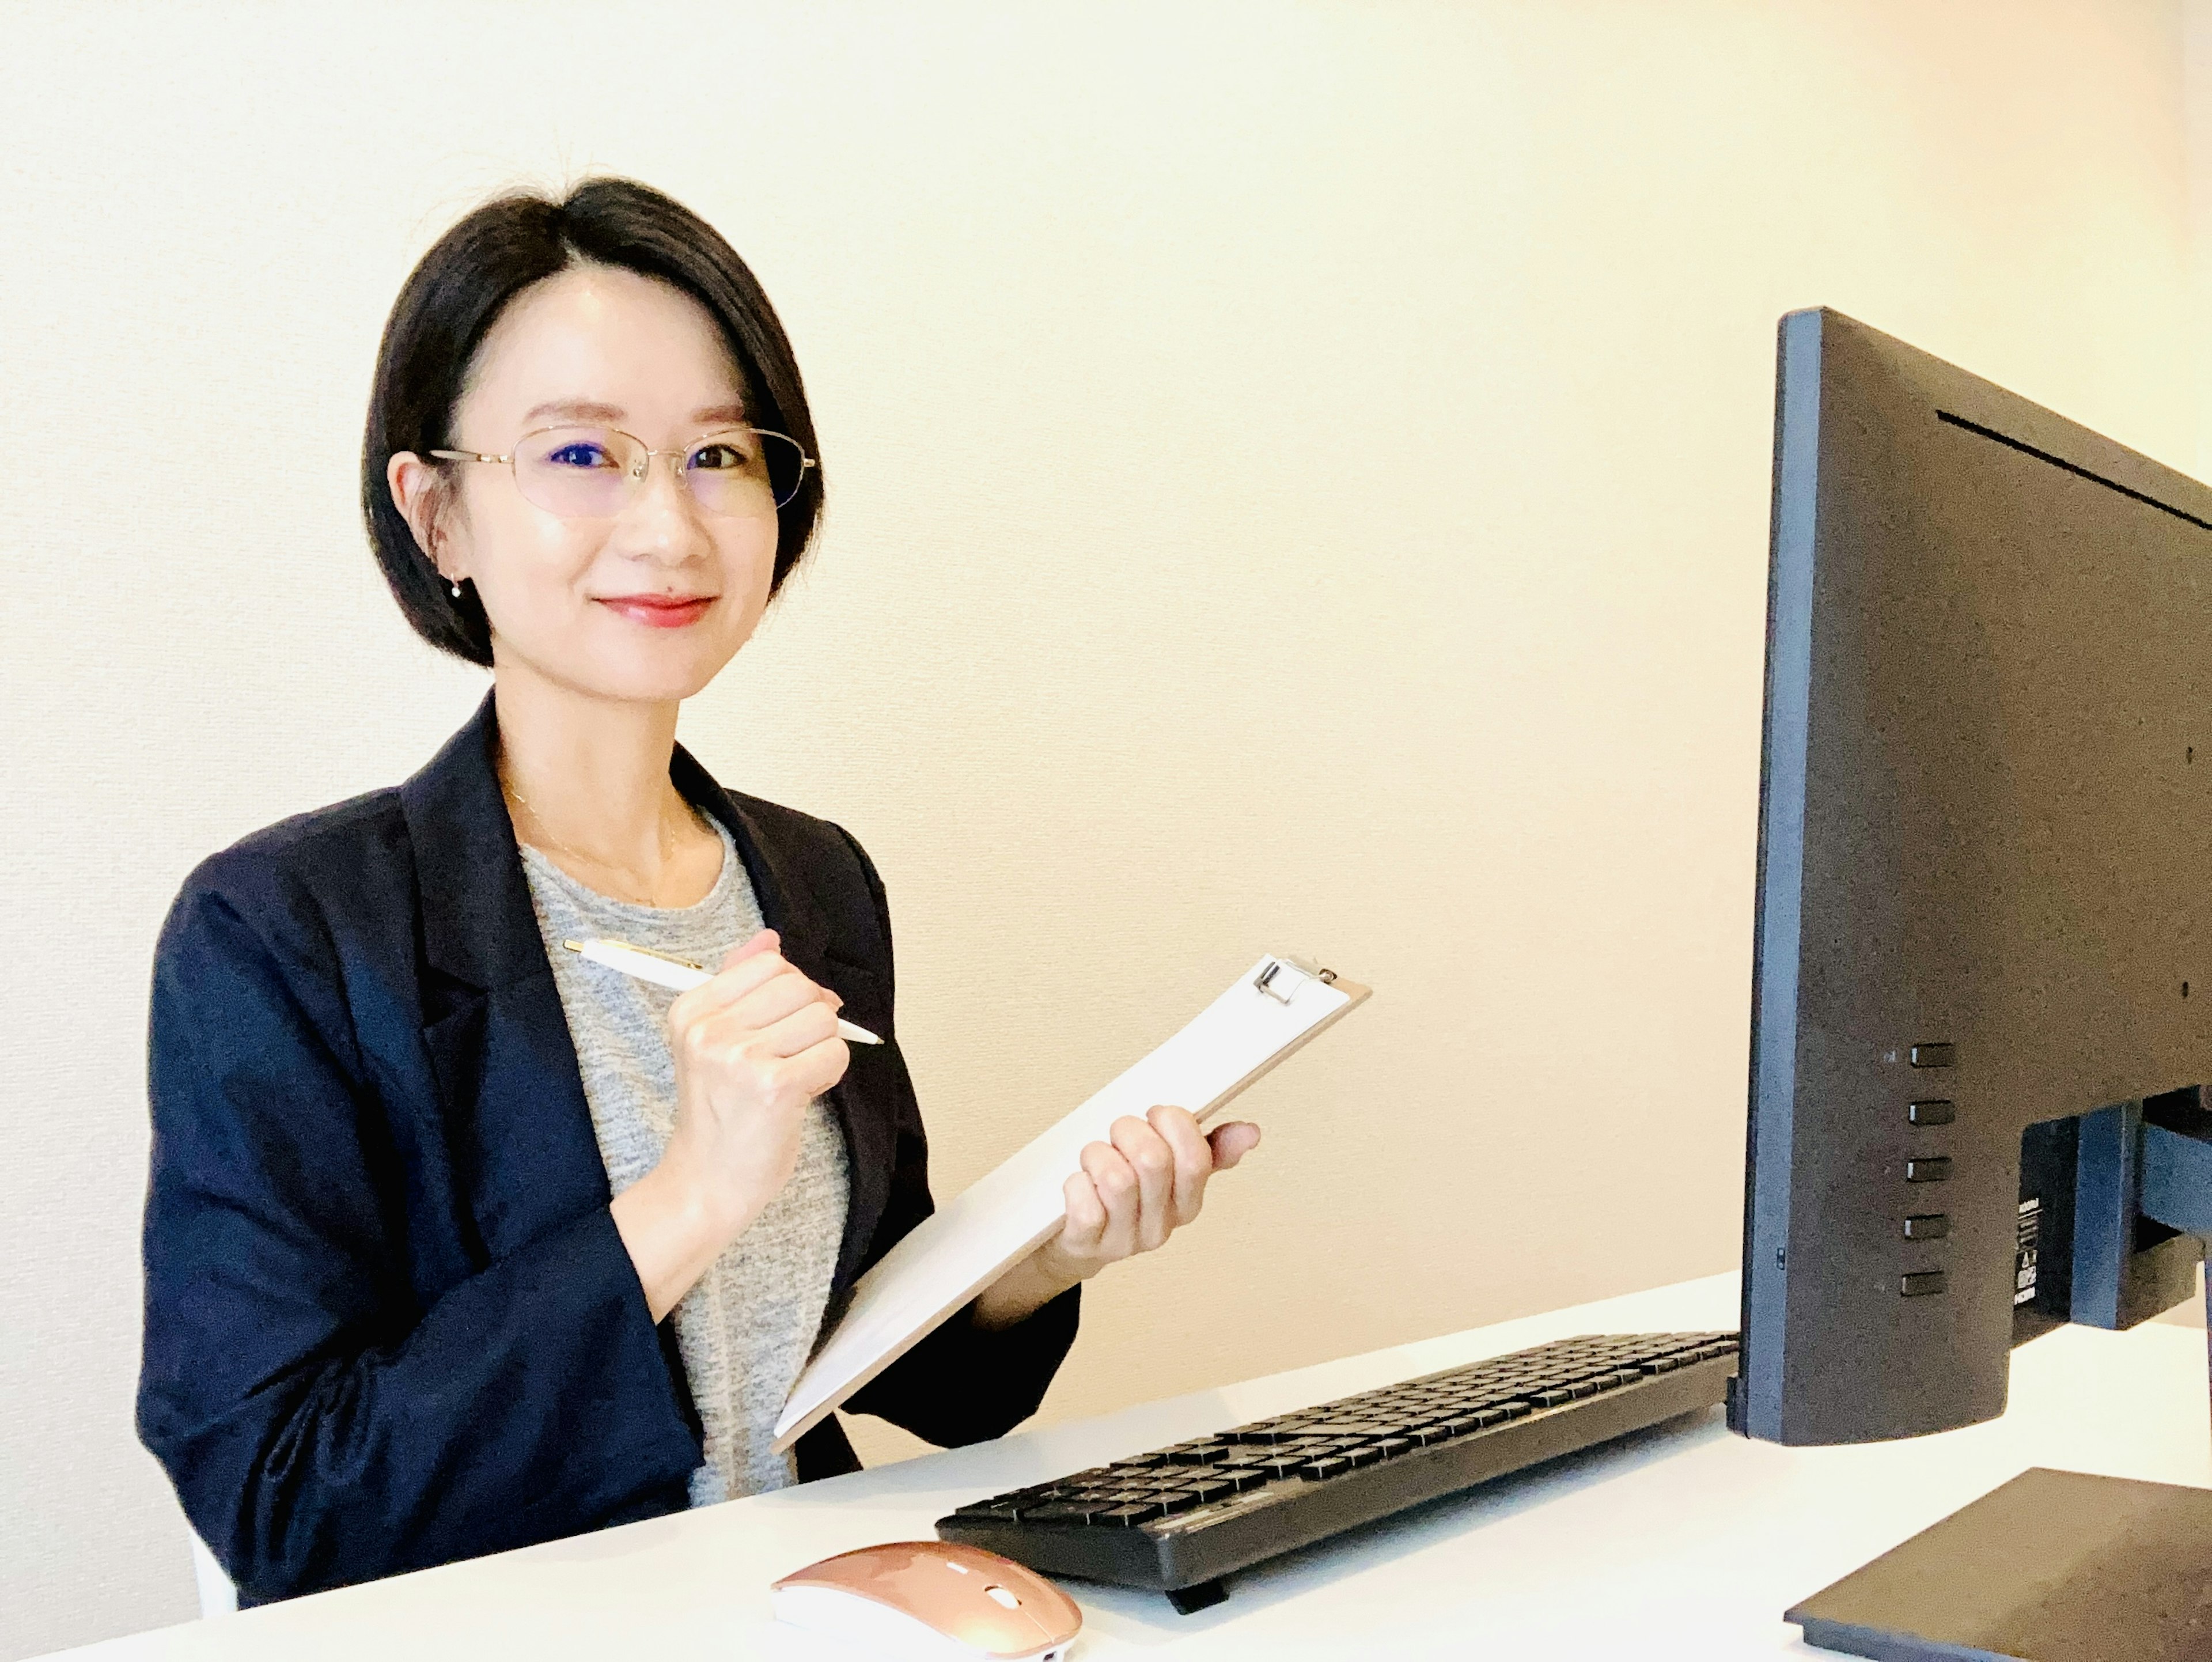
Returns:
(1270,1010)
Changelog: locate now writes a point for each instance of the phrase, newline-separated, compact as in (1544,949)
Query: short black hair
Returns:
(459,289)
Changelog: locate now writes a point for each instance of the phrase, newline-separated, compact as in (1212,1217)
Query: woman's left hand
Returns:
(1132,1194)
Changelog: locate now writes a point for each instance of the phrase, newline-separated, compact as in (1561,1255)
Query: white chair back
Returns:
(217,1596)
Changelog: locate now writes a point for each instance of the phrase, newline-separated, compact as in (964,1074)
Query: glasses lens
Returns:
(577,473)
(743,472)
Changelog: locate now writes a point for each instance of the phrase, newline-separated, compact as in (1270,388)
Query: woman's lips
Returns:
(659,611)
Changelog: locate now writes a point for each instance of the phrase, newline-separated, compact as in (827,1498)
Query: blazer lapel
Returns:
(517,1120)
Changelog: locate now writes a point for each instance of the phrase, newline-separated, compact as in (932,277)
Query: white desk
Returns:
(1687,1543)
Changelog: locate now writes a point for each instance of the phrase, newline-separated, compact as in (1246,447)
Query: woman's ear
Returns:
(418,491)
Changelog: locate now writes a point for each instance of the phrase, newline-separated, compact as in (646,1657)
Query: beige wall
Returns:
(1299,481)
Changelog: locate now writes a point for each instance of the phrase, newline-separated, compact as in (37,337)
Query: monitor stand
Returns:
(2054,1567)
(2057,1565)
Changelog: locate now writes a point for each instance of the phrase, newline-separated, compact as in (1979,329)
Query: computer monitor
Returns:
(1982,985)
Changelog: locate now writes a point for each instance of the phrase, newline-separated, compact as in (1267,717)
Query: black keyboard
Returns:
(1180,1518)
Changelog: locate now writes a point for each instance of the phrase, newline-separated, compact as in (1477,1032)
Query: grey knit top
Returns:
(745,1330)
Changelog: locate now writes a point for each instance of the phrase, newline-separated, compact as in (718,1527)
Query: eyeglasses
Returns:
(596,472)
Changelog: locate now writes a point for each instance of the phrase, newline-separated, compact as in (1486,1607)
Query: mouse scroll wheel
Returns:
(1003,1597)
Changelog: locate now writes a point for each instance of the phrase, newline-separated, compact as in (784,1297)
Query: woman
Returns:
(456,1242)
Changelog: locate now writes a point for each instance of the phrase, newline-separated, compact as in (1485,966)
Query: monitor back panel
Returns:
(1986,845)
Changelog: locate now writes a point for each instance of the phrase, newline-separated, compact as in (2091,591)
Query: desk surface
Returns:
(1685,1542)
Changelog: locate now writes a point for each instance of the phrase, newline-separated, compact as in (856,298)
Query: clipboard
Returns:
(1274,1009)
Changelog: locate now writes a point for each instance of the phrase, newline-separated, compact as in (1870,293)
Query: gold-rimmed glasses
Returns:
(581,472)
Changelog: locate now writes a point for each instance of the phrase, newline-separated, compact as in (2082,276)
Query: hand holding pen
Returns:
(680,973)
(754,1043)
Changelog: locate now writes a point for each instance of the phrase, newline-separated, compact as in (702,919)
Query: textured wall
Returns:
(1299,481)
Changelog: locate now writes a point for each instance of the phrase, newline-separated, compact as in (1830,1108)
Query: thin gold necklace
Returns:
(667,844)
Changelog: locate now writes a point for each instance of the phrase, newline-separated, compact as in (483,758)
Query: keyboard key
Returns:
(1129,1517)
(1389,1448)
(1198,1454)
(1061,1512)
(1329,1466)
(1552,1398)
(991,1511)
(1174,1499)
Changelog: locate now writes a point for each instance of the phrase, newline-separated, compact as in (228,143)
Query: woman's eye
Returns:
(719,454)
(578,455)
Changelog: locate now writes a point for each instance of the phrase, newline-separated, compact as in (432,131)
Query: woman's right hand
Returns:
(753,1048)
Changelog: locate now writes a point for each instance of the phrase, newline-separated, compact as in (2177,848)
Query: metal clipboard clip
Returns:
(1280,978)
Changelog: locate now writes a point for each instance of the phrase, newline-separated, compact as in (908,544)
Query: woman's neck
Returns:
(587,778)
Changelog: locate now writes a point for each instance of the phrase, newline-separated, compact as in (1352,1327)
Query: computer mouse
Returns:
(931,1600)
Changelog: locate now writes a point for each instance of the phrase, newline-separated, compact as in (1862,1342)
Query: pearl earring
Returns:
(457,588)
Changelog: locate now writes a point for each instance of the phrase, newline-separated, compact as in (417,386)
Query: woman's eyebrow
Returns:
(585,410)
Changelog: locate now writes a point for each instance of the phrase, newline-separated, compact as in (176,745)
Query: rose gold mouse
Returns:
(931,1598)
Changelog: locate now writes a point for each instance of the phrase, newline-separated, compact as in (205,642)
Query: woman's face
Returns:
(646,604)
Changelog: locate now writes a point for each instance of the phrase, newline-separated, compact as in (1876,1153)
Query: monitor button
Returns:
(1932,1113)
(1930,1227)
(1937,1170)
(1934,1055)
(1920,1282)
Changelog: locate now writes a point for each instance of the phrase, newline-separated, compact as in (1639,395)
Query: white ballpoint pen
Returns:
(679,974)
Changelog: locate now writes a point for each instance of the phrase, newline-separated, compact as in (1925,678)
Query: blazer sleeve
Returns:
(320,1424)
(962,1384)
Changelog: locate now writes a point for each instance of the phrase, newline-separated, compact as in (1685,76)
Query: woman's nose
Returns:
(661,505)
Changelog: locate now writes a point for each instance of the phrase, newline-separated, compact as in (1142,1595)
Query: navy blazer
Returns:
(389,1322)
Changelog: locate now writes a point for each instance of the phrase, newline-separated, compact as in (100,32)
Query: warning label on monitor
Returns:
(2031,1229)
